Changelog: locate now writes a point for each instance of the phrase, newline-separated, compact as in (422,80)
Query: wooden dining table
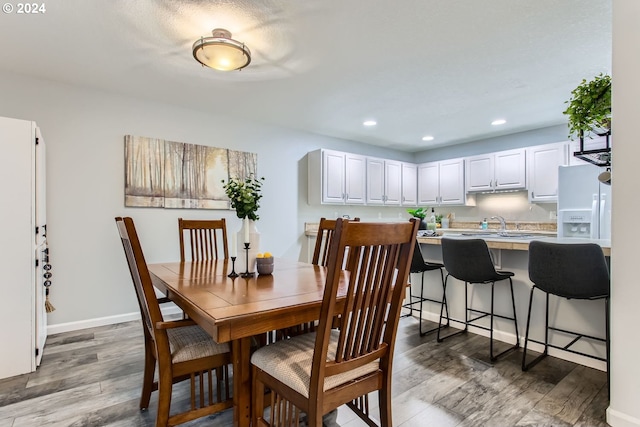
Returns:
(236,309)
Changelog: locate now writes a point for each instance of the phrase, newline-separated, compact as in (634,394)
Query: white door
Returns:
(510,170)
(409,184)
(452,182)
(542,164)
(392,183)
(355,179)
(333,169)
(375,181)
(428,183)
(480,173)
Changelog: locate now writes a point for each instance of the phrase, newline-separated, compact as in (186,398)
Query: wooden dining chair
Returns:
(326,228)
(181,349)
(207,239)
(317,372)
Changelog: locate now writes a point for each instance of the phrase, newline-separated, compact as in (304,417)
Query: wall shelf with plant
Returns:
(589,112)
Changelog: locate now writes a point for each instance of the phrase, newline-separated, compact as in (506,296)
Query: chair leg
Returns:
(149,372)
(384,403)
(608,344)
(165,384)
(442,302)
(442,307)
(527,366)
(515,320)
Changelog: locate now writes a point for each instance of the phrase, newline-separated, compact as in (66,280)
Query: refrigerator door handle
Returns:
(603,202)
(594,217)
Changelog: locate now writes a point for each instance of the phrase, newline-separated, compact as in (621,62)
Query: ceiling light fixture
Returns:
(427,138)
(370,123)
(221,52)
(498,122)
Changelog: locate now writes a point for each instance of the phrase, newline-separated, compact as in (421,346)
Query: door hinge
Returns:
(37,263)
(37,230)
(37,352)
(37,140)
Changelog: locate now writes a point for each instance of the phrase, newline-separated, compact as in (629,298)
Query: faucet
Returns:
(503,224)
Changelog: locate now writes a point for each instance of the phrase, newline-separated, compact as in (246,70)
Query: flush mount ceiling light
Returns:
(498,122)
(369,123)
(221,52)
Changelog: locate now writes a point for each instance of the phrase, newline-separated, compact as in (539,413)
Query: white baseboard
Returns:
(619,419)
(169,312)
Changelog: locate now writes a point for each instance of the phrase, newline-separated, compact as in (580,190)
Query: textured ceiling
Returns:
(418,67)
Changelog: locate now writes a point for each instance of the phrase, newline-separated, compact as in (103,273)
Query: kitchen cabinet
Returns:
(542,167)
(442,183)
(504,170)
(409,184)
(384,182)
(335,177)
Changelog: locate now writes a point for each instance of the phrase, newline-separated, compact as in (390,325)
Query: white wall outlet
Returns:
(553,215)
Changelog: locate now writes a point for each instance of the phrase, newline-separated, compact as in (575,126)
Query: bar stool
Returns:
(469,260)
(572,271)
(419,265)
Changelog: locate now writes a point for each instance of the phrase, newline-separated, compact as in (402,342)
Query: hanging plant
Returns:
(589,108)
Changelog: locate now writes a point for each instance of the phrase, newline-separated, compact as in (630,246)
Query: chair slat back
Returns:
(206,239)
(575,270)
(378,261)
(147,300)
(326,228)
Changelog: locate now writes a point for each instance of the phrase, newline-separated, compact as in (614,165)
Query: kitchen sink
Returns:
(507,235)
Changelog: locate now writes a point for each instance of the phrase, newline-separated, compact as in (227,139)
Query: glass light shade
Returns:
(221,52)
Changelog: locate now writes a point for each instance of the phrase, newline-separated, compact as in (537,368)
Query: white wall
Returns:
(625,283)
(84,130)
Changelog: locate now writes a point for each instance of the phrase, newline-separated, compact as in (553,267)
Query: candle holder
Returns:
(233,268)
(247,273)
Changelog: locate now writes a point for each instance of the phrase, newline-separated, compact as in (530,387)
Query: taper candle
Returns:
(234,244)
(246,229)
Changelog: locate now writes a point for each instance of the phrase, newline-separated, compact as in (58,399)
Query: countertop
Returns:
(495,241)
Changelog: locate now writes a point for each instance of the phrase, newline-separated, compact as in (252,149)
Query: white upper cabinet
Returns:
(504,170)
(542,166)
(409,184)
(441,183)
(384,182)
(336,177)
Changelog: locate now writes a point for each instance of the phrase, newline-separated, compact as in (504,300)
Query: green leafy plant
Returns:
(590,106)
(244,196)
(418,212)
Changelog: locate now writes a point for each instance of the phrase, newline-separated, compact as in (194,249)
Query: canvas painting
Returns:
(168,174)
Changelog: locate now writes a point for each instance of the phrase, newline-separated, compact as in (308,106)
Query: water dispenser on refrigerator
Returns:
(575,223)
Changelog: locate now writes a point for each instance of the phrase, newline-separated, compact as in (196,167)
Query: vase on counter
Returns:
(249,233)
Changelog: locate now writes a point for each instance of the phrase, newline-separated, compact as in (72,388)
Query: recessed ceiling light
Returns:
(427,138)
(370,123)
(498,122)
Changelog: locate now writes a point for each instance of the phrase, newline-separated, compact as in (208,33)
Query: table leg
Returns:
(241,353)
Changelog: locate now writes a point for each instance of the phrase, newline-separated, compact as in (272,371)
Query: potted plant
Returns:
(420,213)
(589,108)
(244,196)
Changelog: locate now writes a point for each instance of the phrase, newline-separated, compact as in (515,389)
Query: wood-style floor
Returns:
(92,378)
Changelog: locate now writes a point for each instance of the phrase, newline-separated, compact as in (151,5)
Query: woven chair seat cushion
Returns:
(192,342)
(289,361)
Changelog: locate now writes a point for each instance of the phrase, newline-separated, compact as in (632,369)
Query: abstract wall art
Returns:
(168,174)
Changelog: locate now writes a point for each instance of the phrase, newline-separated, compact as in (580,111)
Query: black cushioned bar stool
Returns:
(469,260)
(572,271)
(419,265)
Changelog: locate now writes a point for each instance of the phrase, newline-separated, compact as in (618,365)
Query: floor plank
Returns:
(93,377)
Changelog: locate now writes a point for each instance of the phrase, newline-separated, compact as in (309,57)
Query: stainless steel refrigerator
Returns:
(584,203)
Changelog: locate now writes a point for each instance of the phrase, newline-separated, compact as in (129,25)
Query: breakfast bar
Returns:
(510,252)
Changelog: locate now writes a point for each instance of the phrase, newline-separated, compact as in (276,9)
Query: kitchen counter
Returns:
(511,254)
(494,241)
